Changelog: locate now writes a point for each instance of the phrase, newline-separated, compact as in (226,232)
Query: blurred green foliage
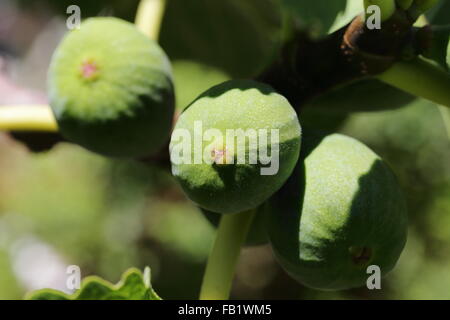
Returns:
(193,78)
(237,36)
(315,16)
(439,14)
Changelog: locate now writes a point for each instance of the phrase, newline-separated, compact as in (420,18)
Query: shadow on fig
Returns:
(372,232)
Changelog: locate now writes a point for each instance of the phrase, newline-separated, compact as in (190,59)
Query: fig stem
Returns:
(149,17)
(420,78)
(387,7)
(445,114)
(27,118)
(218,278)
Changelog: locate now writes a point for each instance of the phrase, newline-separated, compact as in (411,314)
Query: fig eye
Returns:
(89,69)
(360,255)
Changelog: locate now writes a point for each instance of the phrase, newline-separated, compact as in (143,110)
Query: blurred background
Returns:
(67,206)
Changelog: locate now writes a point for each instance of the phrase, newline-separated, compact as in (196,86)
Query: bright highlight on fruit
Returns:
(110,88)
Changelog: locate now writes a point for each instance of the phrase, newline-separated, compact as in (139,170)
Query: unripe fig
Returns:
(110,88)
(257,235)
(340,212)
(234,146)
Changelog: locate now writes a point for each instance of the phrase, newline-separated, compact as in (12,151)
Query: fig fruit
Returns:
(110,88)
(235,146)
(257,235)
(340,212)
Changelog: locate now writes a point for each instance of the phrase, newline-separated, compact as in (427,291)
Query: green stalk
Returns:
(149,17)
(445,114)
(27,118)
(218,278)
(387,7)
(420,78)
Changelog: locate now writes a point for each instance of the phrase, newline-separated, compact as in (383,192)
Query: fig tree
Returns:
(110,88)
(235,145)
(340,212)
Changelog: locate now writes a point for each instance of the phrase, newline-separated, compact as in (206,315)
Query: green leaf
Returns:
(440,13)
(239,37)
(192,79)
(352,9)
(132,286)
(318,15)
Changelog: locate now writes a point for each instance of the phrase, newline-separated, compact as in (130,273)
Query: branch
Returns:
(27,118)
(420,78)
(307,68)
(149,17)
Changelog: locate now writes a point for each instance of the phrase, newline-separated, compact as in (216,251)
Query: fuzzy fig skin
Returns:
(340,212)
(226,186)
(110,88)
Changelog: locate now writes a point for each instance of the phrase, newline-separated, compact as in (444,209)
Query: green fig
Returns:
(339,213)
(110,89)
(235,146)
